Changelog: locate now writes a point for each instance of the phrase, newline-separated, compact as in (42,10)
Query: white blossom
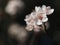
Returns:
(38,17)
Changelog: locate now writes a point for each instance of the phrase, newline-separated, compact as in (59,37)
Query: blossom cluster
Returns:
(38,17)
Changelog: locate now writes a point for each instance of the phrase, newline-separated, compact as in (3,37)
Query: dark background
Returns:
(54,18)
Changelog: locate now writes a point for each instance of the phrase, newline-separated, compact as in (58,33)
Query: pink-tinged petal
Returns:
(48,7)
(45,19)
(36,28)
(39,22)
(37,9)
(50,11)
(29,28)
(27,16)
(44,8)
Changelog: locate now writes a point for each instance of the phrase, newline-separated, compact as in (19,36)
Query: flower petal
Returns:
(45,19)
(39,22)
(48,7)
(29,28)
(37,9)
(50,11)
(44,8)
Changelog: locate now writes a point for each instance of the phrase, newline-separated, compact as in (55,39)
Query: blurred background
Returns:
(28,6)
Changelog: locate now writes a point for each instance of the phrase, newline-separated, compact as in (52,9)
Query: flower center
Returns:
(40,16)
